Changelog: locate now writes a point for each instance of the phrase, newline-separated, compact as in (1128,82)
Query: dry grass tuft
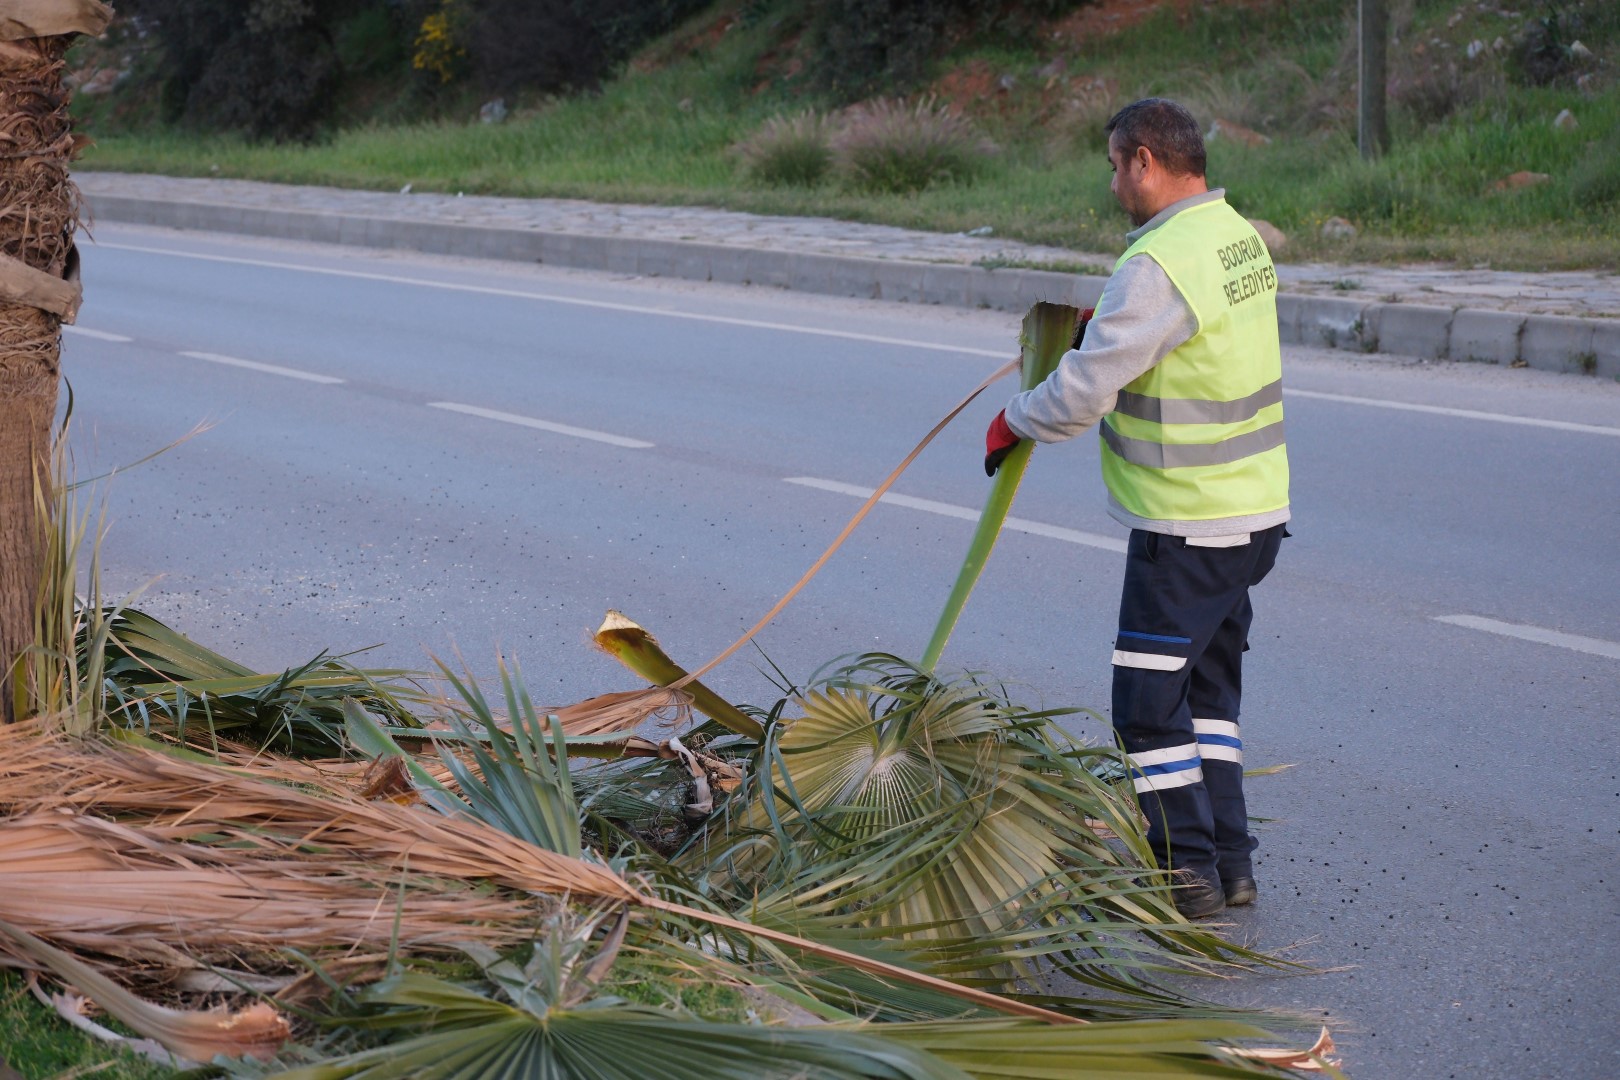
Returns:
(892,146)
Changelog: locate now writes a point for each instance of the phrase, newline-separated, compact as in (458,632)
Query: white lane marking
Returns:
(1595,646)
(268,369)
(1467,414)
(554,298)
(543,425)
(1034,528)
(99,335)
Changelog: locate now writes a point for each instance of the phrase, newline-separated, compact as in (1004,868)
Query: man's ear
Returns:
(1144,158)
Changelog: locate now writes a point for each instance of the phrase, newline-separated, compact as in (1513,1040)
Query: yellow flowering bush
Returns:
(439,52)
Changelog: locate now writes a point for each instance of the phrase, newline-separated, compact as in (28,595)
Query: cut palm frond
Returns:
(912,822)
(256,1031)
(997,1049)
(516,796)
(171,898)
(548,1020)
(632,646)
(966,832)
(473,1037)
(154,679)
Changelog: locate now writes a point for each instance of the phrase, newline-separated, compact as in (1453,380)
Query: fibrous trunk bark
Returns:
(38,290)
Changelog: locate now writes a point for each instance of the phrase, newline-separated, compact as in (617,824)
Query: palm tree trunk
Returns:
(38,291)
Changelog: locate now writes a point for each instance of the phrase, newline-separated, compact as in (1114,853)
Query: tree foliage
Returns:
(866,46)
(275,69)
(268,67)
(557,45)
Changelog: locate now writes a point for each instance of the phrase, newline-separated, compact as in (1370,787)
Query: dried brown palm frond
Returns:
(625,710)
(187,799)
(258,1030)
(142,894)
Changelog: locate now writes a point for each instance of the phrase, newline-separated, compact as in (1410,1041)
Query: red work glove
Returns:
(1080,326)
(998,443)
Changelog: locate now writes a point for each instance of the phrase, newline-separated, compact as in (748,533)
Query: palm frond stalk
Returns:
(1048,329)
(632,651)
(636,649)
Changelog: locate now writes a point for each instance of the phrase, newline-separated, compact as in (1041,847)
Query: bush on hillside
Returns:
(556,45)
(1432,96)
(893,147)
(862,47)
(794,150)
(266,67)
(273,68)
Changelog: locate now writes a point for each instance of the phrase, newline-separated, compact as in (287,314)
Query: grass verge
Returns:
(38,1044)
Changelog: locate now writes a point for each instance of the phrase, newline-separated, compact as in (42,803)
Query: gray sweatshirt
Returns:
(1141,318)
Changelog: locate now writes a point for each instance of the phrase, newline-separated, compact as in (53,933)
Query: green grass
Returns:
(39,1044)
(667,136)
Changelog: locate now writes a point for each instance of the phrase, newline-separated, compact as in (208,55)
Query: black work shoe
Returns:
(1240,891)
(1198,898)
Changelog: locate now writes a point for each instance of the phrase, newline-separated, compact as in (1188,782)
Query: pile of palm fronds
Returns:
(330,872)
(895,855)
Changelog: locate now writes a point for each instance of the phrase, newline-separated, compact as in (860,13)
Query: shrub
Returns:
(1431,96)
(1544,52)
(440,52)
(553,45)
(372,42)
(865,46)
(789,150)
(266,67)
(1595,180)
(1375,195)
(889,146)
(273,68)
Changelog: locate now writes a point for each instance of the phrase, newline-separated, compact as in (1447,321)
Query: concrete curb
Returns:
(1547,342)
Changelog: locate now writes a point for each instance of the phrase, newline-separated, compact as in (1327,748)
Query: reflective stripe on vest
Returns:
(1200,435)
(1153,455)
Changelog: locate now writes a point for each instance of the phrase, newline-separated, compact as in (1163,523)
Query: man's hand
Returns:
(1080,327)
(998,443)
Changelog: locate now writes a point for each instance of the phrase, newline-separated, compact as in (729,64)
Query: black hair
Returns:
(1165,128)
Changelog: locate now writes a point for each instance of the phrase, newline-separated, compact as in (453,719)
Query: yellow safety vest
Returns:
(1199,436)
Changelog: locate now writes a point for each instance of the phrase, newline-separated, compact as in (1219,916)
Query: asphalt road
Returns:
(443,455)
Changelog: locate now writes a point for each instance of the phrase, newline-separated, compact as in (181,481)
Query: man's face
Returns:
(1129,173)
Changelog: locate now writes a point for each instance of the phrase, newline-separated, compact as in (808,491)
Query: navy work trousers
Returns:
(1184,621)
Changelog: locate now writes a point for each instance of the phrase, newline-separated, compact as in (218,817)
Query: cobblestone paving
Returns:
(1565,293)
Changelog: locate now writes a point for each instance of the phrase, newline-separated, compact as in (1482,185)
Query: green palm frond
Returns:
(953,826)
(516,783)
(475,1038)
(545,1024)
(994,1049)
(151,678)
(541,1020)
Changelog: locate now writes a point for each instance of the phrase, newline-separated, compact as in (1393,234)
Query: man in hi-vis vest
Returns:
(1180,370)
